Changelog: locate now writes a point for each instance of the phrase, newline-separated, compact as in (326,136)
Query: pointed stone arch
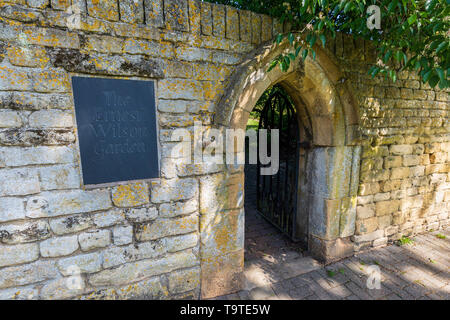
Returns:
(328,113)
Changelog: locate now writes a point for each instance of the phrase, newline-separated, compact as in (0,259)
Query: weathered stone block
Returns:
(245,26)
(131,195)
(106,9)
(382,196)
(9,119)
(170,210)
(380,242)
(85,263)
(193,54)
(13,79)
(61,246)
(176,15)
(71,224)
(215,230)
(60,177)
(166,227)
(22,293)
(24,232)
(105,44)
(11,209)
(28,273)
(51,119)
(96,63)
(17,254)
(387,207)
(132,11)
(401,149)
(185,280)
(222,275)
(40,4)
(123,235)
(369,188)
(400,173)
(219,192)
(78,201)
(140,215)
(393,162)
(256,27)
(149,289)
(218,15)
(143,269)
(120,255)
(411,160)
(37,155)
(206,18)
(61,289)
(366,211)
(178,243)
(377,151)
(174,190)
(149,48)
(369,236)
(180,89)
(384,221)
(109,218)
(94,239)
(18,182)
(154,12)
(367,225)
(330,250)
(60,4)
(232,23)
(266,28)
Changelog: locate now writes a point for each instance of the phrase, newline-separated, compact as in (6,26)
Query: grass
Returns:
(331,273)
(440,236)
(405,240)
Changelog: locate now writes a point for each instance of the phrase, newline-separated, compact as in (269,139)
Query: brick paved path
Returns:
(276,269)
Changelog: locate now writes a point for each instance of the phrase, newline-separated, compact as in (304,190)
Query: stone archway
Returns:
(328,112)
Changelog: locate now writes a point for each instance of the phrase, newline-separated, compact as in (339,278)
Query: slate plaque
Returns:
(117,131)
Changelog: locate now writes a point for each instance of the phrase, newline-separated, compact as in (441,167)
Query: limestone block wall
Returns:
(132,241)
(405,162)
(182,235)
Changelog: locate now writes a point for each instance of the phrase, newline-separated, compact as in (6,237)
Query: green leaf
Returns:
(412,19)
(291,38)
(320,25)
(348,6)
(387,56)
(433,81)
(297,51)
(304,53)
(279,38)
(323,39)
(312,41)
(440,73)
(441,46)
(272,65)
(426,76)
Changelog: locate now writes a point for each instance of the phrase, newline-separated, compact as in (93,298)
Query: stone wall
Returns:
(180,236)
(405,165)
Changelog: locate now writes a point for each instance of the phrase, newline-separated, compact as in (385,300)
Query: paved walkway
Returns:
(420,270)
(275,268)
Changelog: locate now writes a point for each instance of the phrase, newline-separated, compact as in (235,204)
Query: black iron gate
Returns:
(277,194)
